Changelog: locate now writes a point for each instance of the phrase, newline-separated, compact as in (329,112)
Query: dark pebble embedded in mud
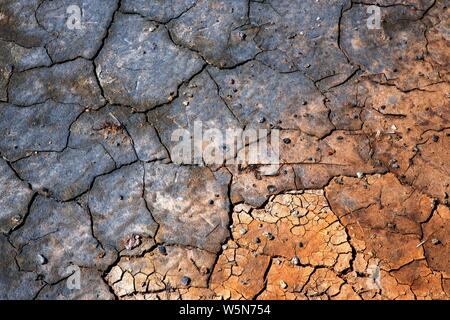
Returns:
(185,281)
(162,250)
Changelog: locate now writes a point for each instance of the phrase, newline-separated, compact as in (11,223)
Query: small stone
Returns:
(204,270)
(287,140)
(242,36)
(133,242)
(283,285)
(268,235)
(162,250)
(261,119)
(16,218)
(211,202)
(185,103)
(391,225)
(242,231)
(395,165)
(304,103)
(185,281)
(42,260)
(435,138)
(295,261)
(257,240)
(435,241)
(359,175)
(271,188)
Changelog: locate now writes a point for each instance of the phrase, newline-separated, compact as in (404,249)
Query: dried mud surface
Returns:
(357,208)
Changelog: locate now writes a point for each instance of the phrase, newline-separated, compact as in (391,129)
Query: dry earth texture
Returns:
(357,209)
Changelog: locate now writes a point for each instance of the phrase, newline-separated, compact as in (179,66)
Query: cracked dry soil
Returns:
(357,209)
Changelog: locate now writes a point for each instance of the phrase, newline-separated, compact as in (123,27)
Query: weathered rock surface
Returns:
(55,237)
(191,112)
(15,284)
(396,51)
(159,10)
(125,135)
(66,29)
(219,30)
(302,35)
(224,149)
(38,128)
(65,175)
(92,287)
(16,196)
(190,204)
(72,82)
(120,216)
(289,100)
(140,66)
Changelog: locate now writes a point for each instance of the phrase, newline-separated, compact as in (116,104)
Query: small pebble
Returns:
(162,250)
(287,140)
(242,231)
(257,240)
(268,235)
(204,270)
(295,261)
(185,281)
(133,242)
(435,241)
(16,218)
(435,138)
(283,285)
(359,175)
(242,36)
(271,188)
(42,260)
